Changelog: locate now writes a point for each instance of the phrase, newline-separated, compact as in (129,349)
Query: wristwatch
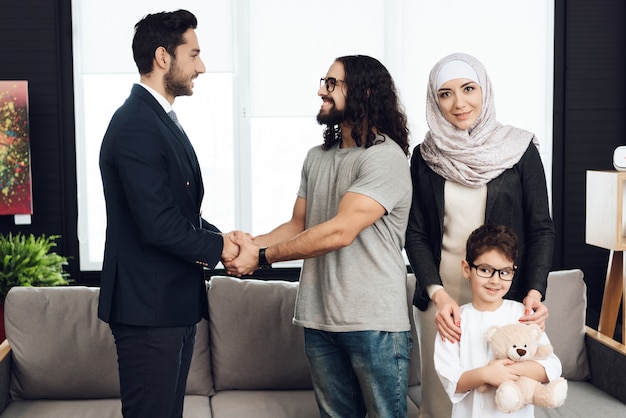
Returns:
(263,263)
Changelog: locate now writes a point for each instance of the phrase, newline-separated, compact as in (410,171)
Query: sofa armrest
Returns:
(5,374)
(607,363)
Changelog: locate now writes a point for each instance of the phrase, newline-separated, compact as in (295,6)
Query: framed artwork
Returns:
(15,174)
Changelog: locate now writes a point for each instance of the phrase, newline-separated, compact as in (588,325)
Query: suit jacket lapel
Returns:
(180,136)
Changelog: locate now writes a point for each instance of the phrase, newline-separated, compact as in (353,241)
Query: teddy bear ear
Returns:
(491,332)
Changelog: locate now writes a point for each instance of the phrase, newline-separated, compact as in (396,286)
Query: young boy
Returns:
(489,266)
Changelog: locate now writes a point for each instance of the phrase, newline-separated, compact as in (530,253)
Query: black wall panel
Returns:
(35,45)
(589,124)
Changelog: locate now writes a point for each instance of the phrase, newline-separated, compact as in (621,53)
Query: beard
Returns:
(175,82)
(333,117)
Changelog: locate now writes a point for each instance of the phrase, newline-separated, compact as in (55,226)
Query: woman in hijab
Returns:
(470,170)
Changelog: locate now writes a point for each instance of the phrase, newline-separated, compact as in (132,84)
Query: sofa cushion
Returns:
(265,404)
(83,408)
(254,344)
(583,401)
(62,350)
(195,407)
(566,299)
(199,380)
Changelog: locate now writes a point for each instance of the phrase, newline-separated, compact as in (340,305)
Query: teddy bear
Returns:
(518,342)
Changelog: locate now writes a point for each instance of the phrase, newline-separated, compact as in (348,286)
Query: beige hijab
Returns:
(475,156)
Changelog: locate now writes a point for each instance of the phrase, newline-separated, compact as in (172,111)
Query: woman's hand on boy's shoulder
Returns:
(536,311)
(448,316)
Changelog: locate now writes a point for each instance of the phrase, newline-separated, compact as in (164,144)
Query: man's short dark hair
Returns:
(164,29)
(491,237)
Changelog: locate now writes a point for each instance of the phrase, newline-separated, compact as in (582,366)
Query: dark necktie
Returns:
(189,147)
(172,116)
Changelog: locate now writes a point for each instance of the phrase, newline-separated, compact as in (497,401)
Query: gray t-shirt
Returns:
(362,286)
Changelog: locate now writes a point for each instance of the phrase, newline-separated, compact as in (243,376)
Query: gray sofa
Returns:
(59,359)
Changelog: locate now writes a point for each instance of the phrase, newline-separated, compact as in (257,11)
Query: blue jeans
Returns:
(360,372)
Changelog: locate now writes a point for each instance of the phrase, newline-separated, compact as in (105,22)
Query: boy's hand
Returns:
(497,372)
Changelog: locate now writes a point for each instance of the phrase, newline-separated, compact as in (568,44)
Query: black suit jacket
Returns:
(517,198)
(156,242)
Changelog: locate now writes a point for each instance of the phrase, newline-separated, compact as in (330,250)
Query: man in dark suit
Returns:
(152,287)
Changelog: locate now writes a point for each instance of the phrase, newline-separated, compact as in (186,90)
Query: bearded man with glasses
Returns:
(348,224)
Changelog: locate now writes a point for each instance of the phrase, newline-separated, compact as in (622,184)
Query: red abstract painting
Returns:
(15,175)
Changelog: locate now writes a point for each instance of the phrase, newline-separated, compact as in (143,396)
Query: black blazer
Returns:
(156,241)
(517,198)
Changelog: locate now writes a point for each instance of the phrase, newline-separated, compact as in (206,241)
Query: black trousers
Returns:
(153,363)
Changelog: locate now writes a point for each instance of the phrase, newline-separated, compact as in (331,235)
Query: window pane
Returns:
(292,44)
(208,120)
(278,148)
(102,95)
(514,40)
(103,32)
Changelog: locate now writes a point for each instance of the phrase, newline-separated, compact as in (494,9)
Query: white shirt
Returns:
(453,359)
(162,100)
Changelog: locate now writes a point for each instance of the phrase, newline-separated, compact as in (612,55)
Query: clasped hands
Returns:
(240,255)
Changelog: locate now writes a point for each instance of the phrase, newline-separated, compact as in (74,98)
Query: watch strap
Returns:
(263,263)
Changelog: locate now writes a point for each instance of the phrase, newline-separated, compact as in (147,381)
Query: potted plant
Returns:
(28,261)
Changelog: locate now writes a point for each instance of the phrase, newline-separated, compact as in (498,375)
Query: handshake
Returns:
(240,254)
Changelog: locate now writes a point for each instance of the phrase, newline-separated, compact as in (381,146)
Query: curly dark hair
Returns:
(491,237)
(372,97)
(164,29)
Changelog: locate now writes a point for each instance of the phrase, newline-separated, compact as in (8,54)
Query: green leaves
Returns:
(28,261)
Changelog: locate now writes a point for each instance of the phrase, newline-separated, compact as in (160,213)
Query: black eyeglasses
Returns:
(330,83)
(487,271)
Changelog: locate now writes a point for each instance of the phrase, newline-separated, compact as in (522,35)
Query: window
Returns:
(252,115)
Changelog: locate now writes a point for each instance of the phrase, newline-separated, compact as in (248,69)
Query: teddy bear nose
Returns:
(521,351)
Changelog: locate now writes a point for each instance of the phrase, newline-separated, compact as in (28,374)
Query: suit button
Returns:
(187,184)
